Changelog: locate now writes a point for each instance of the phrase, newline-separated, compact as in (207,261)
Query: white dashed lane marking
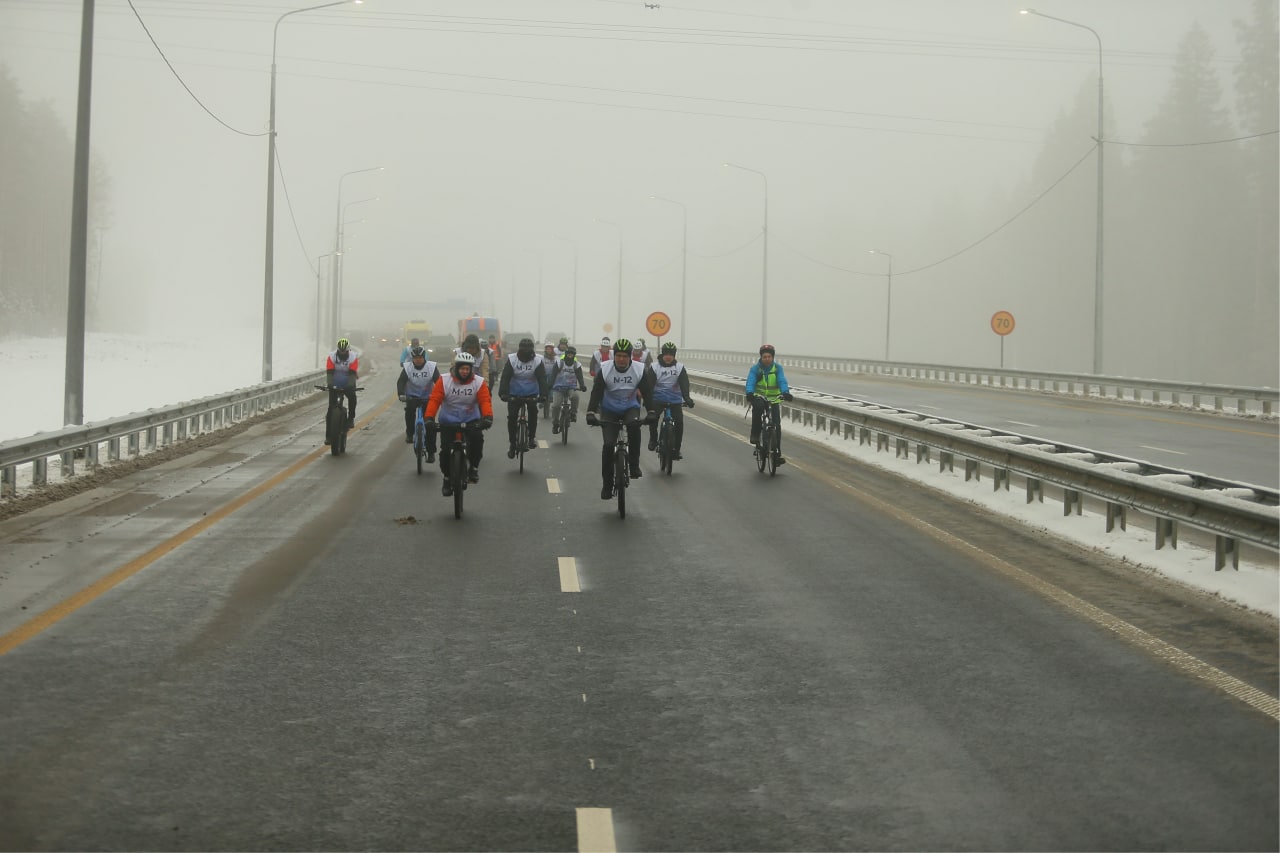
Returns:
(568,574)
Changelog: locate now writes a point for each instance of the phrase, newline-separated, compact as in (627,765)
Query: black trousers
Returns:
(611,425)
(677,414)
(475,444)
(775,411)
(513,412)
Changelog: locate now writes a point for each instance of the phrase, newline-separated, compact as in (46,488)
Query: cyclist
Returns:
(561,346)
(566,382)
(600,356)
(408,349)
(617,386)
(471,344)
(640,354)
(341,371)
(413,387)
(766,384)
(522,376)
(460,397)
(495,356)
(549,359)
(670,388)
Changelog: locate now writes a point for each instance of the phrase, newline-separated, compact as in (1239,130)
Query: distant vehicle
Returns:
(481,327)
(512,340)
(419,329)
(440,347)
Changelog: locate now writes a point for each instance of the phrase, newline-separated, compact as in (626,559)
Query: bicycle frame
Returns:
(766,450)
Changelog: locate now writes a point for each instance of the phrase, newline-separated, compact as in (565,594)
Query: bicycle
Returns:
(565,416)
(766,450)
(522,429)
(621,467)
(419,430)
(335,421)
(666,441)
(459,461)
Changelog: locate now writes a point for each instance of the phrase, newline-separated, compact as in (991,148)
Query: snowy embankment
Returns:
(130,373)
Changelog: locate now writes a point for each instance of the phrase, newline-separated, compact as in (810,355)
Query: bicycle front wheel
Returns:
(620,478)
(522,441)
(335,428)
(457,477)
(564,425)
(419,444)
(772,444)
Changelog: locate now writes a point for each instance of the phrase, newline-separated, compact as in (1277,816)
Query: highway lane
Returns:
(1234,448)
(828,659)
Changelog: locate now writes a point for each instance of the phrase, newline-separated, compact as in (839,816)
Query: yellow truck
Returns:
(419,329)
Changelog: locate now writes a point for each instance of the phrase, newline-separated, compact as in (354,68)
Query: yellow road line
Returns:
(67,606)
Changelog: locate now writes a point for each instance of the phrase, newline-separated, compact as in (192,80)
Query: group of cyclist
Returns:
(629,389)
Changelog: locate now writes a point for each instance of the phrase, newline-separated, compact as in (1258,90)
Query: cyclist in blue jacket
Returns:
(766,385)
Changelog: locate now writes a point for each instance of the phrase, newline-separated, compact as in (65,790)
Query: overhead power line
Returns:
(180,80)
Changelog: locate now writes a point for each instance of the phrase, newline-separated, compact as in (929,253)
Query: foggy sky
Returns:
(503,126)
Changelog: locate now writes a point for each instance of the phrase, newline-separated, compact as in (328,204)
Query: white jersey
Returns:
(461,402)
(419,379)
(621,387)
(666,387)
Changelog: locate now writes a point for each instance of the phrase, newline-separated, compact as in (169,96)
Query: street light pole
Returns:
(573,320)
(268,296)
(888,299)
(617,329)
(337,248)
(1097,240)
(684,262)
(764,285)
(336,314)
(319,288)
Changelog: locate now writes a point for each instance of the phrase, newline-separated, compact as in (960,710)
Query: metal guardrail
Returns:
(144,431)
(1157,391)
(1230,510)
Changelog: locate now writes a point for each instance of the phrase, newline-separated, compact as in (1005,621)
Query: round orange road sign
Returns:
(657,324)
(1002,323)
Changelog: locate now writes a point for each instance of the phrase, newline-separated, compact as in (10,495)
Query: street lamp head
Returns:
(1026,11)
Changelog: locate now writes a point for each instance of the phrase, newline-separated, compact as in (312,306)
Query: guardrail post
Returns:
(1266,407)
(1217,404)
(1222,547)
(1035,490)
(946,461)
(1000,477)
(901,449)
(68,464)
(150,443)
(1116,512)
(1070,501)
(40,471)
(1166,529)
(113,450)
(91,456)
(9,481)
(972,470)
(922,453)
(882,441)
(132,443)
(864,435)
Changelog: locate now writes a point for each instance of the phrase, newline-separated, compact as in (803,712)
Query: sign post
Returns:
(1002,324)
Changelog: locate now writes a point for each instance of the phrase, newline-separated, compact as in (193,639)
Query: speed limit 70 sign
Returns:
(657,324)
(1002,323)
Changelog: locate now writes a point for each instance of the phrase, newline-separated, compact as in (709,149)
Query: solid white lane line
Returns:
(553,486)
(1162,449)
(568,574)
(1024,423)
(595,831)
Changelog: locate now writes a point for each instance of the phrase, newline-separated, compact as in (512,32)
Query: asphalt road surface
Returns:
(266,647)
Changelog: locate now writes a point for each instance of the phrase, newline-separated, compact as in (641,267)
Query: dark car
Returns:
(440,347)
